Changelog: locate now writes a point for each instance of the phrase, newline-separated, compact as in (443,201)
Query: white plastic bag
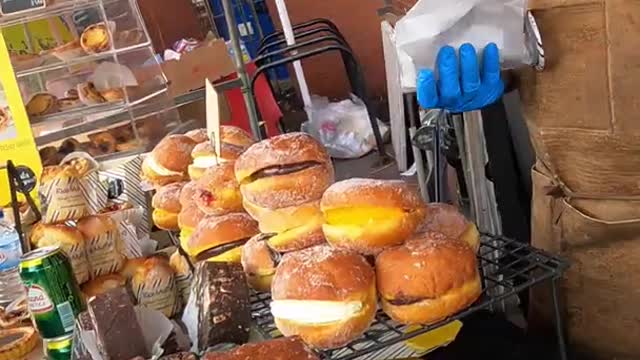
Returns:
(343,127)
(431,24)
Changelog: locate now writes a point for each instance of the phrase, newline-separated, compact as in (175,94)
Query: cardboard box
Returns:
(211,61)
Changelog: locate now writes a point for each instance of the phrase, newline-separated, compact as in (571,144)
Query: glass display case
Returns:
(89,77)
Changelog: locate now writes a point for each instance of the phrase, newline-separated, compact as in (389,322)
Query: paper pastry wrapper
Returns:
(77,254)
(131,233)
(133,192)
(156,328)
(159,293)
(71,198)
(183,283)
(105,254)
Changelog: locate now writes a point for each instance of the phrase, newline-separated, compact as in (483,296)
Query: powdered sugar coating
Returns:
(174,152)
(357,192)
(291,148)
(217,230)
(323,273)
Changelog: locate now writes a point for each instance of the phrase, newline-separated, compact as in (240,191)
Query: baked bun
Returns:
(220,238)
(69,239)
(284,171)
(198,135)
(291,348)
(235,136)
(218,192)
(188,193)
(448,220)
(154,286)
(259,262)
(96,225)
(368,215)
(295,227)
(166,206)
(188,220)
(234,141)
(103,284)
(428,279)
(169,160)
(132,266)
(327,296)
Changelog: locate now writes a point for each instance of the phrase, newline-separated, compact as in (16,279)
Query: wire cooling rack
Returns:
(508,267)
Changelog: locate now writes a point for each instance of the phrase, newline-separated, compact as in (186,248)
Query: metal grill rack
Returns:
(507,268)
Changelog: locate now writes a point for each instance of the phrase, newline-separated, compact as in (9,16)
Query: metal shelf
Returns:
(507,268)
(77,112)
(81,60)
(122,115)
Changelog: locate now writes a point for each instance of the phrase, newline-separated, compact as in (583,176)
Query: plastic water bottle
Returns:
(11,287)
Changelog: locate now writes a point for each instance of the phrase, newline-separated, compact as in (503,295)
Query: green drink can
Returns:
(59,348)
(53,293)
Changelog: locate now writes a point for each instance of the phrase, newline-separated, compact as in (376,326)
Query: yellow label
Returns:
(434,339)
(16,139)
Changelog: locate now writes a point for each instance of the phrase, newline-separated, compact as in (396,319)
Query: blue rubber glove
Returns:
(465,86)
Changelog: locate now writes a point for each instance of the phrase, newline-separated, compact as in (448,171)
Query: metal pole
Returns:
(254,13)
(234,38)
(562,346)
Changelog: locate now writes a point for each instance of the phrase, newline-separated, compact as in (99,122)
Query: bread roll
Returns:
(234,142)
(448,220)
(70,241)
(105,251)
(188,193)
(169,160)
(428,279)
(290,348)
(166,206)
(259,262)
(284,171)
(327,296)
(102,284)
(368,215)
(132,266)
(283,219)
(218,192)
(154,286)
(220,238)
(198,135)
(188,220)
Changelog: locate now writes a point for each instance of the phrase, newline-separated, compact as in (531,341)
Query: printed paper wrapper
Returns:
(129,172)
(156,329)
(105,254)
(77,254)
(183,283)
(131,233)
(159,293)
(71,198)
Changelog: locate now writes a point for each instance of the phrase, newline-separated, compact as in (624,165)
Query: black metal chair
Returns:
(296,52)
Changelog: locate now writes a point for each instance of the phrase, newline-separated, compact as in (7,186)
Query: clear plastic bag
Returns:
(343,127)
(431,24)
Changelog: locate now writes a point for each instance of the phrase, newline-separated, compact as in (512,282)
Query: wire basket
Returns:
(508,267)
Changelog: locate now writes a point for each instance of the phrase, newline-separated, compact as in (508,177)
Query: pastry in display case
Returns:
(94,80)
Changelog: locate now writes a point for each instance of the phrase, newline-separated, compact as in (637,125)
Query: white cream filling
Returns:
(314,311)
(161,170)
(205,162)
